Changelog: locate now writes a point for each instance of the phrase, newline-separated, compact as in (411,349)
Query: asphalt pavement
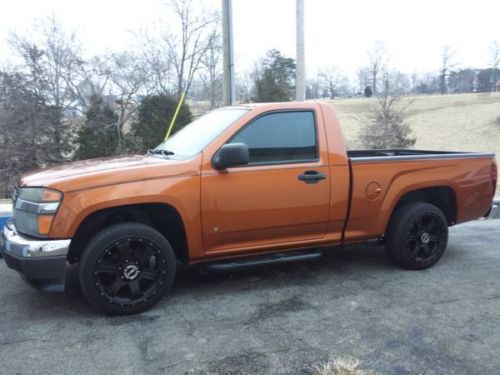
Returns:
(279,319)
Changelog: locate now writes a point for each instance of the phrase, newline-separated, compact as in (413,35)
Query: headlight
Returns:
(34,210)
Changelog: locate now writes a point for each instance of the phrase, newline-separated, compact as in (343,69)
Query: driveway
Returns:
(278,320)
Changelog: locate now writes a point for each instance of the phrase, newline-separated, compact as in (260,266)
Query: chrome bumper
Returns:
(42,263)
(18,246)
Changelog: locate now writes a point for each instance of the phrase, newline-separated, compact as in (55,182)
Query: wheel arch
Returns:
(165,218)
(443,197)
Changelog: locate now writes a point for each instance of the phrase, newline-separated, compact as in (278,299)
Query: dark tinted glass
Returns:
(279,137)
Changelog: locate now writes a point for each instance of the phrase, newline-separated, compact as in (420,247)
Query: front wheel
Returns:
(126,268)
(417,235)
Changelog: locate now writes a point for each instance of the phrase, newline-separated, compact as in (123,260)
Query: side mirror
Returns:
(230,155)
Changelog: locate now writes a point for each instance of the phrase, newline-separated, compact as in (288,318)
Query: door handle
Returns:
(311,177)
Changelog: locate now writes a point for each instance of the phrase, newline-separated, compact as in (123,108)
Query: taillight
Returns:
(494,175)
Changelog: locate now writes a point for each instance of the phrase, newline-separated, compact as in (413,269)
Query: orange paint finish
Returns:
(339,170)
(469,179)
(264,208)
(90,186)
(256,208)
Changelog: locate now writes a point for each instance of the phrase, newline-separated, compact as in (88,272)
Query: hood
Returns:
(95,172)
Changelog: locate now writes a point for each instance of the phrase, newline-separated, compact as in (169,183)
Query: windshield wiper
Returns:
(160,152)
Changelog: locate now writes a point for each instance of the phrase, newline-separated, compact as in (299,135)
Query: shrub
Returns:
(387,131)
(98,136)
(154,116)
(368,91)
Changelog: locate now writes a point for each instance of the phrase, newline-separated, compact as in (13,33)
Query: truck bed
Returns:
(410,154)
(380,178)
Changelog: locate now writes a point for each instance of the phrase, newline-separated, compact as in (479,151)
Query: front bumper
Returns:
(42,263)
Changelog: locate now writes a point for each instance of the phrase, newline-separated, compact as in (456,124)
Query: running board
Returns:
(241,263)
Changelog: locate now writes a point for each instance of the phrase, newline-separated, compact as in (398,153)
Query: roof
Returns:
(278,105)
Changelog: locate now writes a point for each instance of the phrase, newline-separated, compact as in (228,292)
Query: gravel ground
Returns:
(278,320)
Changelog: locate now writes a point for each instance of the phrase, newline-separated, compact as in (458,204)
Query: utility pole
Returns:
(227,55)
(300,79)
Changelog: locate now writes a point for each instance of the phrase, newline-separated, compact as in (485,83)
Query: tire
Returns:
(126,268)
(417,235)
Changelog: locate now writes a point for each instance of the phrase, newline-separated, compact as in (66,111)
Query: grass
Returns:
(466,122)
(462,122)
(342,367)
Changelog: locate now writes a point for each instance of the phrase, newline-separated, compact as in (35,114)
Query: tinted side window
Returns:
(278,137)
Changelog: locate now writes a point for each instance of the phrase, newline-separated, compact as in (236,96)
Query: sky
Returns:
(337,33)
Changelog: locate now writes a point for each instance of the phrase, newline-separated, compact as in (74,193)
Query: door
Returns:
(281,196)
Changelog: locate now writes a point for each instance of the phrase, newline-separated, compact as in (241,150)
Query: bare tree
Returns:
(447,64)
(130,82)
(314,88)
(211,62)
(50,64)
(428,83)
(388,127)
(174,54)
(414,77)
(25,134)
(245,88)
(156,57)
(495,63)
(377,61)
(363,77)
(189,44)
(90,79)
(333,81)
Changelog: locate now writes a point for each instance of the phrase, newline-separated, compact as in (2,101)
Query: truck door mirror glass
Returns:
(231,155)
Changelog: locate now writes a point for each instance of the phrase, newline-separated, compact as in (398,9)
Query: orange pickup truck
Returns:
(239,186)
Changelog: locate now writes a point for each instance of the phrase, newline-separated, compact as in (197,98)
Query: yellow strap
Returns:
(172,123)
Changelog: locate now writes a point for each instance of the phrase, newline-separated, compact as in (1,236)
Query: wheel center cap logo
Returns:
(425,237)
(131,272)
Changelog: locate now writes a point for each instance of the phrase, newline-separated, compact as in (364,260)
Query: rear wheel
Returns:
(417,235)
(127,268)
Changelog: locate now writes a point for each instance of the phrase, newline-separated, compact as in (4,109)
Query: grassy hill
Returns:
(465,122)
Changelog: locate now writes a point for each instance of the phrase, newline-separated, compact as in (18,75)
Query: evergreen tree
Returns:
(485,79)
(98,137)
(388,128)
(368,91)
(276,83)
(154,116)
(387,131)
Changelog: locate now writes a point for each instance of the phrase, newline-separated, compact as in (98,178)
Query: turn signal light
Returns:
(44,224)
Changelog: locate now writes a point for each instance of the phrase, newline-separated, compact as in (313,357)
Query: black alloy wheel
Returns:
(417,235)
(130,271)
(425,236)
(127,268)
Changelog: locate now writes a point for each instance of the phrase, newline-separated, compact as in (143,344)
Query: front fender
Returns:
(180,192)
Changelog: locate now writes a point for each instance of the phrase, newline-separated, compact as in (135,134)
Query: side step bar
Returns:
(241,263)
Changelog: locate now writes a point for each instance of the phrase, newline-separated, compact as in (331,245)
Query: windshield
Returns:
(194,137)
